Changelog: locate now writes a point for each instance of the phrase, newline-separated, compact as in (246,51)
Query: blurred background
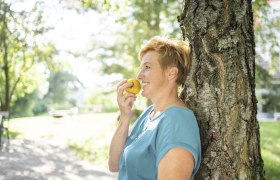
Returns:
(60,61)
(69,55)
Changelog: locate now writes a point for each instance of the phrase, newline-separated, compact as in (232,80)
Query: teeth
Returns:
(144,84)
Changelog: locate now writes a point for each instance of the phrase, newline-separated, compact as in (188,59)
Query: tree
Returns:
(140,20)
(267,26)
(267,23)
(21,49)
(221,87)
(60,85)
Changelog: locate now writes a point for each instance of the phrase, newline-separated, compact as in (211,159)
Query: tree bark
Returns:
(6,102)
(221,87)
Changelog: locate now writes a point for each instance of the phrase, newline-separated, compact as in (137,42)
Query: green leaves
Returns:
(21,50)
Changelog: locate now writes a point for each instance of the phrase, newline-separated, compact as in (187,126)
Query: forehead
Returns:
(150,57)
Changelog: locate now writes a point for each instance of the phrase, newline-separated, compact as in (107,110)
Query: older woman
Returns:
(164,142)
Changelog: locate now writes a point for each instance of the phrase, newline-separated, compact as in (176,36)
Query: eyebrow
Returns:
(145,63)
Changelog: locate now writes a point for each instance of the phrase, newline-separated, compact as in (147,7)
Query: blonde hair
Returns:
(172,53)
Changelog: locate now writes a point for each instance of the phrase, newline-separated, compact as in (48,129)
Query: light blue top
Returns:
(150,140)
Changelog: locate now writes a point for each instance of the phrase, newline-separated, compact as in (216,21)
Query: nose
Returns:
(139,75)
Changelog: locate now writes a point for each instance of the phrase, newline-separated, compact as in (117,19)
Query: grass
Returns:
(89,136)
(12,134)
(270,149)
(87,150)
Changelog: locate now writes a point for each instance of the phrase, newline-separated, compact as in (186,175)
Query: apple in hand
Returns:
(135,88)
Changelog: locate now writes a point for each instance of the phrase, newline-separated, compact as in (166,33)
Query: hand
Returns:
(125,99)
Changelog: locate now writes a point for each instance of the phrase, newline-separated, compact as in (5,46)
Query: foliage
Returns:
(263,77)
(23,105)
(267,24)
(271,100)
(139,21)
(29,105)
(60,85)
(99,96)
(270,149)
(40,106)
(144,19)
(22,48)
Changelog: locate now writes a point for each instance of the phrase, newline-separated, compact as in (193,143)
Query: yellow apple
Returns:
(135,88)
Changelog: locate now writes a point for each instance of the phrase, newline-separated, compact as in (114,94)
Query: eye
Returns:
(147,67)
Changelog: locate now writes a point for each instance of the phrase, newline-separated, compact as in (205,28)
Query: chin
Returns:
(144,94)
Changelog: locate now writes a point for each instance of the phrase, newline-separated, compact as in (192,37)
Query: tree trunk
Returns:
(221,87)
(6,101)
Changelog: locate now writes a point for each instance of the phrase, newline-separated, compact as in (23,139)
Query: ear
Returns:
(172,73)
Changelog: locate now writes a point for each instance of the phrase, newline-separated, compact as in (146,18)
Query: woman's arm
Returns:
(177,163)
(117,144)
(125,101)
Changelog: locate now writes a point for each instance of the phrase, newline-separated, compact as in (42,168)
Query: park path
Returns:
(43,152)
(27,159)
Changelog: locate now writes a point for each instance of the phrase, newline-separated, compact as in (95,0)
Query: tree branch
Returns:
(14,88)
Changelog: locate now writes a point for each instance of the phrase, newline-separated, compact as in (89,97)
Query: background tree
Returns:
(221,87)
(267,28)
(138,21)
(61,87)
(61,84)
(21,49)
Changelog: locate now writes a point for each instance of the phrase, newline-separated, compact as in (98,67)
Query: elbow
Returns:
(113,167)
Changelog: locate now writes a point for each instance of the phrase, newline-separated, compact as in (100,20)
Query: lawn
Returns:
(89,136)
(270,149)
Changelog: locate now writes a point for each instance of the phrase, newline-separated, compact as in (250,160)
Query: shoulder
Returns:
(179,122)
(177,114)
(178,128)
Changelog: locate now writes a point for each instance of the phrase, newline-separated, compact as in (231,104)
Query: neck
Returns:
(166,100)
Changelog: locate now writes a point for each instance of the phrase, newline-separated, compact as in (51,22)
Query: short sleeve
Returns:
(178,129)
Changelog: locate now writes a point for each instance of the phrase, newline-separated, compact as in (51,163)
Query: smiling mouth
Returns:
(144,84)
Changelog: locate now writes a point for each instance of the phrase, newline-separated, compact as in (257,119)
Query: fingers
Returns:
(122,86)
(128,101)
(124,98)
(129,96)
(121,83)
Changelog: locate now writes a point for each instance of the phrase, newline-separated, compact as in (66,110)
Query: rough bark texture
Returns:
(221,87)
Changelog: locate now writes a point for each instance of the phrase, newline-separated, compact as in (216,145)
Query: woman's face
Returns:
(151,75)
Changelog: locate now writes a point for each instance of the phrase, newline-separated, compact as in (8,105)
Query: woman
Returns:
(164,142)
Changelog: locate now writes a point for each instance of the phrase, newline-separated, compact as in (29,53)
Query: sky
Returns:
(76,32)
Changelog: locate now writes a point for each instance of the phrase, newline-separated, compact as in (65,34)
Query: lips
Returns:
(144,84)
